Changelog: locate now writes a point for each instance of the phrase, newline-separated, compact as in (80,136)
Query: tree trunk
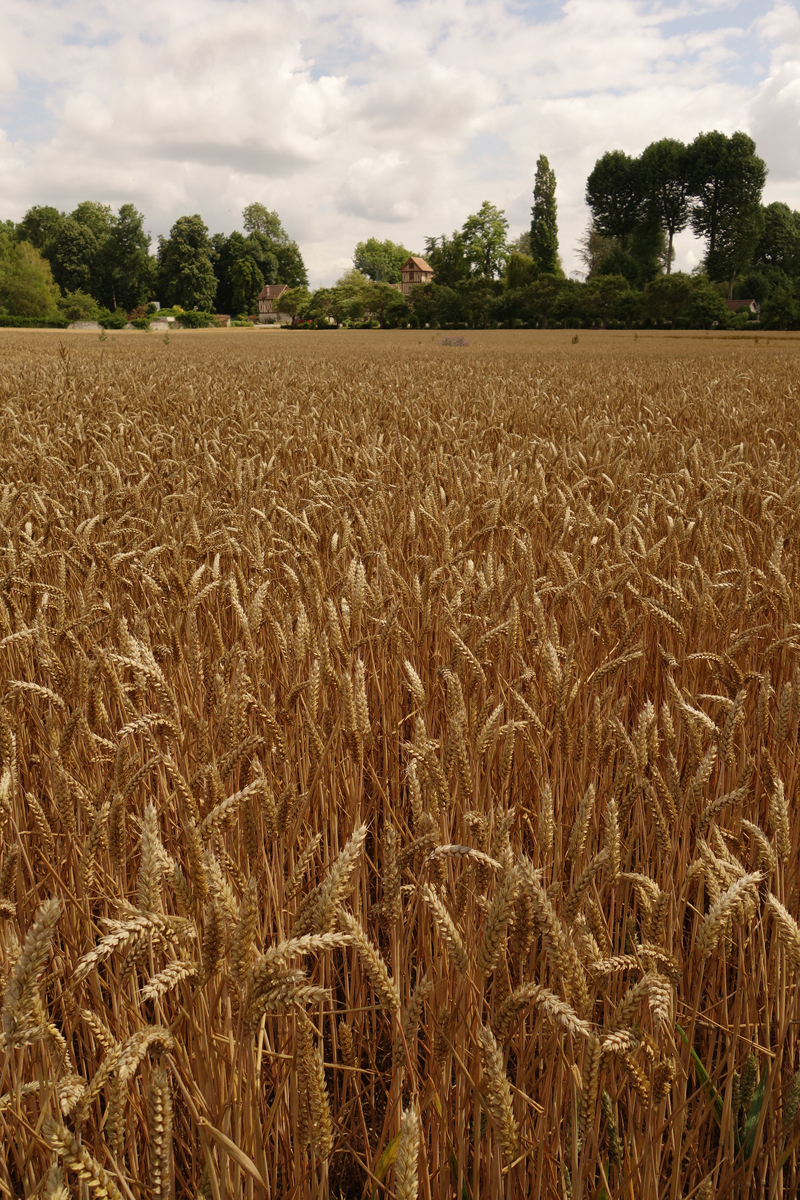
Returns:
(669,254)
(730,285)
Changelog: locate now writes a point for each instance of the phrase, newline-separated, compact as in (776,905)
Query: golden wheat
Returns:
(398,766)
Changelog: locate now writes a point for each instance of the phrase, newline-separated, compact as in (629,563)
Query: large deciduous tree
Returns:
(265,227)
(667,178)
(186,272)
(485,239)
(257,218)
(129,264)
(779,245)
(39,225)
(380,261)
(79,251)
(727,179)
(246,284)
(544,223)
(615,193)
(447,257)
(73,255)
(26,283)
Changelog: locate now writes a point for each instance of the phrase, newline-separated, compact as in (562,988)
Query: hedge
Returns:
(7,322)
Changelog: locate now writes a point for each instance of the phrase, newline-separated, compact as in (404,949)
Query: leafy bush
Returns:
(141,323)
(111,320)
(78,306)
(190,319)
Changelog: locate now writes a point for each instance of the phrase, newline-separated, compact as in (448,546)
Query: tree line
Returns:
(638,206)
(94,263)
(93,260)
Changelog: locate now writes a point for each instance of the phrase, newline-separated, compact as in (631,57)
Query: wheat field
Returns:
(398,785)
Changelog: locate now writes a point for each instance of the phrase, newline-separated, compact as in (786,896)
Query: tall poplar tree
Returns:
(544,225)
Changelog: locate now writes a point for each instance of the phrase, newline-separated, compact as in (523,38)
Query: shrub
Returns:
(111,320)
(78,306)
(191,319)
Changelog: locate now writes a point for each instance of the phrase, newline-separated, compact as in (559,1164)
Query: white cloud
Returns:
(386,117)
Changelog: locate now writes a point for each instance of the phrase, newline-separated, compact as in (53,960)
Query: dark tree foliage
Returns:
(265,228)
(39,225)
(668,294)
(74,256)
(447,257)
(129,266)
(666,168)
(616,194)
(779,244)
(727,179)
(544,223)
(186,273)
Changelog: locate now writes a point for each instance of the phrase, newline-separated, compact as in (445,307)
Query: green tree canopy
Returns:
(380,261)
(351,297)
(291,268)
(295,303)
(383,301)
(779,244)
(602,293)
(186,273)
(39,225)
(727,179)
(247,282)
(129,263)
(78,306)
(266,231)
(543,295)
(80,251)
(447,257)
(521,269)
(706,307)
(780,309)
(263,251)
(257,218)
(593,249)
(668,294)
(485,239)
(73,254)
(26,283)
(522,244)
(615,193)
(224,252)
(544,224)
(667,177)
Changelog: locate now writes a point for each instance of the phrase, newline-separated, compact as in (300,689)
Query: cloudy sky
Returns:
(393,118)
